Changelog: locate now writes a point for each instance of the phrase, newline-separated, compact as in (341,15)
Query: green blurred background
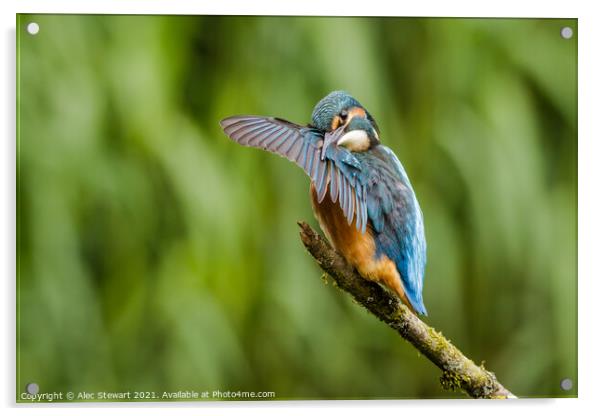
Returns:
(156,254)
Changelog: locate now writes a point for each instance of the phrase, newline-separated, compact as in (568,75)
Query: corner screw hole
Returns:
(33,28)
(32,388)
(566,32)
(566,384)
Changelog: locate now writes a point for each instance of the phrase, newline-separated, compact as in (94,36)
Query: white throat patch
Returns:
(355,140)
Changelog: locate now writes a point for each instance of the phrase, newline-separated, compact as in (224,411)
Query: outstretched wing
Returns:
(336,174)
(396,221)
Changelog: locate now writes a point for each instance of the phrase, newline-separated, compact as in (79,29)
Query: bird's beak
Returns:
(330,138)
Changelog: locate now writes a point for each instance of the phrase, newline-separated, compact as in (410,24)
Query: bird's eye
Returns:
(339,120)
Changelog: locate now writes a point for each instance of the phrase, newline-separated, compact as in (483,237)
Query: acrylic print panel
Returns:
(158,259)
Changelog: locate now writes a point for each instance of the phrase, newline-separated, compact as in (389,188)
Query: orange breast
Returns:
(356,247)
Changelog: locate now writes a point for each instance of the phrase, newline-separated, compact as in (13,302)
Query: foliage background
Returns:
(155,254)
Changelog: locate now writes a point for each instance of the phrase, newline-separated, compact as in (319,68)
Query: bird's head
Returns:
(345,122)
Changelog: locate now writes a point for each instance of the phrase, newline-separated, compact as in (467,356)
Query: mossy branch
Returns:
(458,371)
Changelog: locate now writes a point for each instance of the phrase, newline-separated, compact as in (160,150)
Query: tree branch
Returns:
(458,371)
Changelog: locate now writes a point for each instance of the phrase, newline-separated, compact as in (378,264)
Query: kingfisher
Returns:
(360,192)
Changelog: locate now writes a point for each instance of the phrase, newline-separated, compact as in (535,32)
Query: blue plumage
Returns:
(396,218)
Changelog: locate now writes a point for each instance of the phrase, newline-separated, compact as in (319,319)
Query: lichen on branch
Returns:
(459,372)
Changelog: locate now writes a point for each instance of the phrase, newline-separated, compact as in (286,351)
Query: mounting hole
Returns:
(33,28)
(32,388)
(566,384)
(566,32)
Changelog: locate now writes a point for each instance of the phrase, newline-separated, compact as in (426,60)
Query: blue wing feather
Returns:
(338,171)
(396,219)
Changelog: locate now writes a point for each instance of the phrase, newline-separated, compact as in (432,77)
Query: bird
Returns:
(360,192)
